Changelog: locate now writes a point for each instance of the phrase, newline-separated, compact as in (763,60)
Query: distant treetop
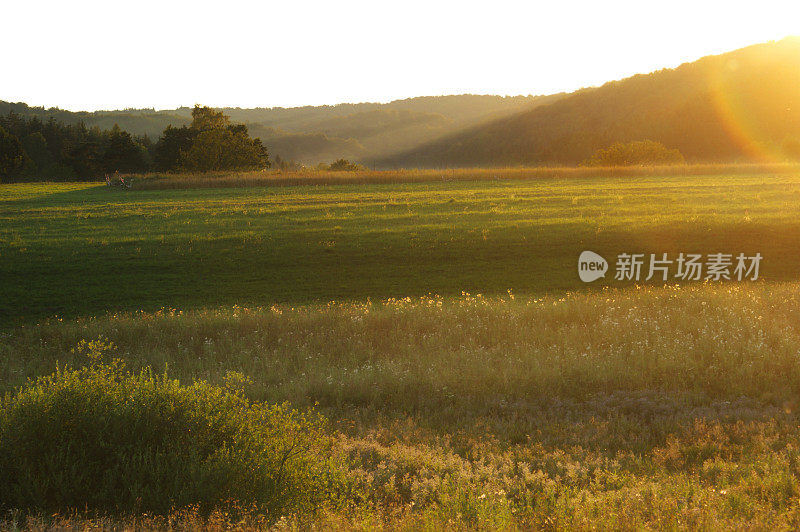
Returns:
(640,152)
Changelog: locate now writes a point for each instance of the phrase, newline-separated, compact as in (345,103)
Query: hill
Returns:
(370,131)
(742,105)
(312,134)
(138,122)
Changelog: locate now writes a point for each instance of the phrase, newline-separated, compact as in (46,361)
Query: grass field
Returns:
(79,249)
(625,409)
(551,406)
(157,181)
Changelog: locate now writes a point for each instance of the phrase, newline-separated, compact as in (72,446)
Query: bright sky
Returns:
(88,55)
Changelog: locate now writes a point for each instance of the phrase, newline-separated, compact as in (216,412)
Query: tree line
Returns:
(35,149)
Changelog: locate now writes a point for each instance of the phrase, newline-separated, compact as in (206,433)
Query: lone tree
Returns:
(640,152)
(206,118)
(210,143)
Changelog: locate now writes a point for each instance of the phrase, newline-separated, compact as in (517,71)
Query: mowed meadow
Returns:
(468,378)
(79,249)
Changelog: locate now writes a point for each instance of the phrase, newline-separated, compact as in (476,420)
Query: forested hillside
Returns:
(362,131)
(139,122)
(739,106)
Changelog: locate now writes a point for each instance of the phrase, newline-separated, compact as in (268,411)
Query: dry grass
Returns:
(643,408)
(319,177)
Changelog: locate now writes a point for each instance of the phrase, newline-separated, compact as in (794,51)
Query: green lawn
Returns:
(82,249)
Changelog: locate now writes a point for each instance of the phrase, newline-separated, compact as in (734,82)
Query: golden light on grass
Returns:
(267,178)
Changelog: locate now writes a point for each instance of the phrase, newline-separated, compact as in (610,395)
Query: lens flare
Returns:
(736,92)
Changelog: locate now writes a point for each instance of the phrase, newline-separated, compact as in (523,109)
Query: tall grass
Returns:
(717,341)
(672,407)
(319,177)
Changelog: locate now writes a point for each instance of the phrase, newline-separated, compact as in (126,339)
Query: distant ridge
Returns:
(312,134)
(738,106)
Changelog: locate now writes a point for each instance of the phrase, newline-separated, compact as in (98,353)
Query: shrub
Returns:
(103,439)
(640,152)
(343,165)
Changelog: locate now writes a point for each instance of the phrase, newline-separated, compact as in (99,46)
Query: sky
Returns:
(90,55)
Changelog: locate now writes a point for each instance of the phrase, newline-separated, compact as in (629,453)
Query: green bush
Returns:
(104,439)
(343,165)
(640,152)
